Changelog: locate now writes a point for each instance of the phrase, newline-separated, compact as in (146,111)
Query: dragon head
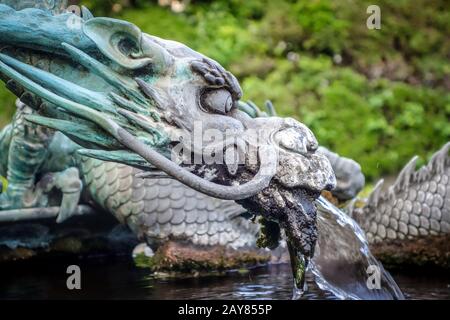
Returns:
(155,104)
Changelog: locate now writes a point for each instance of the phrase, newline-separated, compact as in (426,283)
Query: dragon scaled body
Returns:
(417,204)
(160,209)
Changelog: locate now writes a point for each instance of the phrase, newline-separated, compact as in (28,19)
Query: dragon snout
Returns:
(295,140)
(300,165)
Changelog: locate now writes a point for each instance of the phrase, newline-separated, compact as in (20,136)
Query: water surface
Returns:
(120,279)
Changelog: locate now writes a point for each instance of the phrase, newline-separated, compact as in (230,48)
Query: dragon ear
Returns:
(124,43)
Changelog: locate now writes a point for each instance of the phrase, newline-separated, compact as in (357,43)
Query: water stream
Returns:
(343,263)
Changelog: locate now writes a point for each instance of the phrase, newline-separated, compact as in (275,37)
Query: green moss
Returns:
(7,107)
(142,261)
(269,234)
(420,252)
(186,258)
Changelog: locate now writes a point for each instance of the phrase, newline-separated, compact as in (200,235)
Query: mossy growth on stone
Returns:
(269,234)
(188,258)
(143,261)
(422,252)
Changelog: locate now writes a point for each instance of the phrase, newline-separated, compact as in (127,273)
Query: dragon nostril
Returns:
(301,139)
(293,140)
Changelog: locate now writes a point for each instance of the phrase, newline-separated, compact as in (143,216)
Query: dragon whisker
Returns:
(80,110)
(150,92)
(259,182)
(62,87)
(153,175)
(88,133)
(131,106)
(136,119)
(121,156)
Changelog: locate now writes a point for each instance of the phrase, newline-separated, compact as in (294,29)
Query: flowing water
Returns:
(343,263)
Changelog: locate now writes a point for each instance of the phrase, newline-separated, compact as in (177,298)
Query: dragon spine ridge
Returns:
(417,204)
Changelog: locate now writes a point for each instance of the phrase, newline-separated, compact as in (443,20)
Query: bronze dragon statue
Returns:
(155,133)
(159,107)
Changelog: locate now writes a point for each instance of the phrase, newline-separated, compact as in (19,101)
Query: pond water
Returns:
(120,279)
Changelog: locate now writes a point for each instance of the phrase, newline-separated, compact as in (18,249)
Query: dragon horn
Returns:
(137,119)
(152,93)
(271,111)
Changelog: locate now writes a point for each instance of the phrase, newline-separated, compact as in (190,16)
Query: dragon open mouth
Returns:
(294,211)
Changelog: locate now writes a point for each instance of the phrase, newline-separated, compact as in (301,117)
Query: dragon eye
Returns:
(217,101)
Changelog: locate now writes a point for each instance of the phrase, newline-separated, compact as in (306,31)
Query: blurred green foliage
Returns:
(6,106)
(378,96)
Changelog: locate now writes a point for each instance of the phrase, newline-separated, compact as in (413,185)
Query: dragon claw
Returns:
(69,183)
